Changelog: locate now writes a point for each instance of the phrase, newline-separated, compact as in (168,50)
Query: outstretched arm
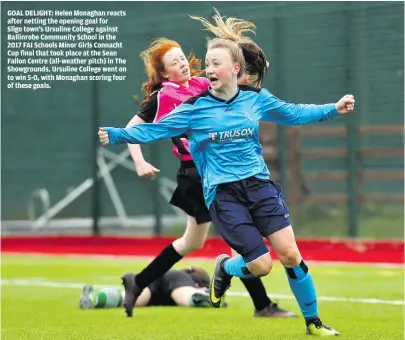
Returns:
(278,111)
(175,124)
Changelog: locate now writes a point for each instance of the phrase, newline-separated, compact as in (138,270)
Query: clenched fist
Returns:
(145,170)
(103,135)
(345,104)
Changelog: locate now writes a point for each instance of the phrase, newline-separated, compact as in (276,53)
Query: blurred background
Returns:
(342,178)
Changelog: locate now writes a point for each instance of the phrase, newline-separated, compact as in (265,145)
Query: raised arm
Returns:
(175,124)
(278,111)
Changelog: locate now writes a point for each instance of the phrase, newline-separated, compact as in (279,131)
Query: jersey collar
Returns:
(170,83)
(228,101)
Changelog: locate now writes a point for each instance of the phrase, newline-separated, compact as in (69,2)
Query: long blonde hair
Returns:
(233,29)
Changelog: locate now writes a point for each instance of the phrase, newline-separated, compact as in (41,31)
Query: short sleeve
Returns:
(149,108)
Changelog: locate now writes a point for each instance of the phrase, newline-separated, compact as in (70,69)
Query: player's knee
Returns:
(197,245)
(185,245)
(191,245)
(290,257)
(261,267)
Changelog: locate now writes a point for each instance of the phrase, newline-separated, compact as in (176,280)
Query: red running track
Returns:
(311,249)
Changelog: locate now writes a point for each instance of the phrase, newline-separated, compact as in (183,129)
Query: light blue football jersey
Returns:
(224,134)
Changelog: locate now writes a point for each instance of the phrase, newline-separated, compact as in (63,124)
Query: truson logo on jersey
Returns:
(231,135)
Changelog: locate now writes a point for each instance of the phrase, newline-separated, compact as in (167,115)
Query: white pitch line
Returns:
(50,284)
(108,257)
(328,298)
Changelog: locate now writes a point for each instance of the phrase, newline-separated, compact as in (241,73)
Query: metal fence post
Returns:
(96,184)
(157,208)
(282,144)
(352,140)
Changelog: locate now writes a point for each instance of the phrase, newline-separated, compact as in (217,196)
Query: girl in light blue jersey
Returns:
(222,124)
(165,58)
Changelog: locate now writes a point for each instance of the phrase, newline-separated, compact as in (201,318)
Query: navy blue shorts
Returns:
(244,212)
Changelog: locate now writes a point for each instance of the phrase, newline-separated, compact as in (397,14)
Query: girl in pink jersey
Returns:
(173,79)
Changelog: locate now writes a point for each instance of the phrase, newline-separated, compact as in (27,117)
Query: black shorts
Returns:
(163,287)
(189,195)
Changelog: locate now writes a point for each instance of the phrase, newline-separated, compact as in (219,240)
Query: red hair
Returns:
(153,60)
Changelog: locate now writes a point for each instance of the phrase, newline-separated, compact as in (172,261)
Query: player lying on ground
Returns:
(186,288)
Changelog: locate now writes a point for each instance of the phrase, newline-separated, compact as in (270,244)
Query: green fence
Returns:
(352,167)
